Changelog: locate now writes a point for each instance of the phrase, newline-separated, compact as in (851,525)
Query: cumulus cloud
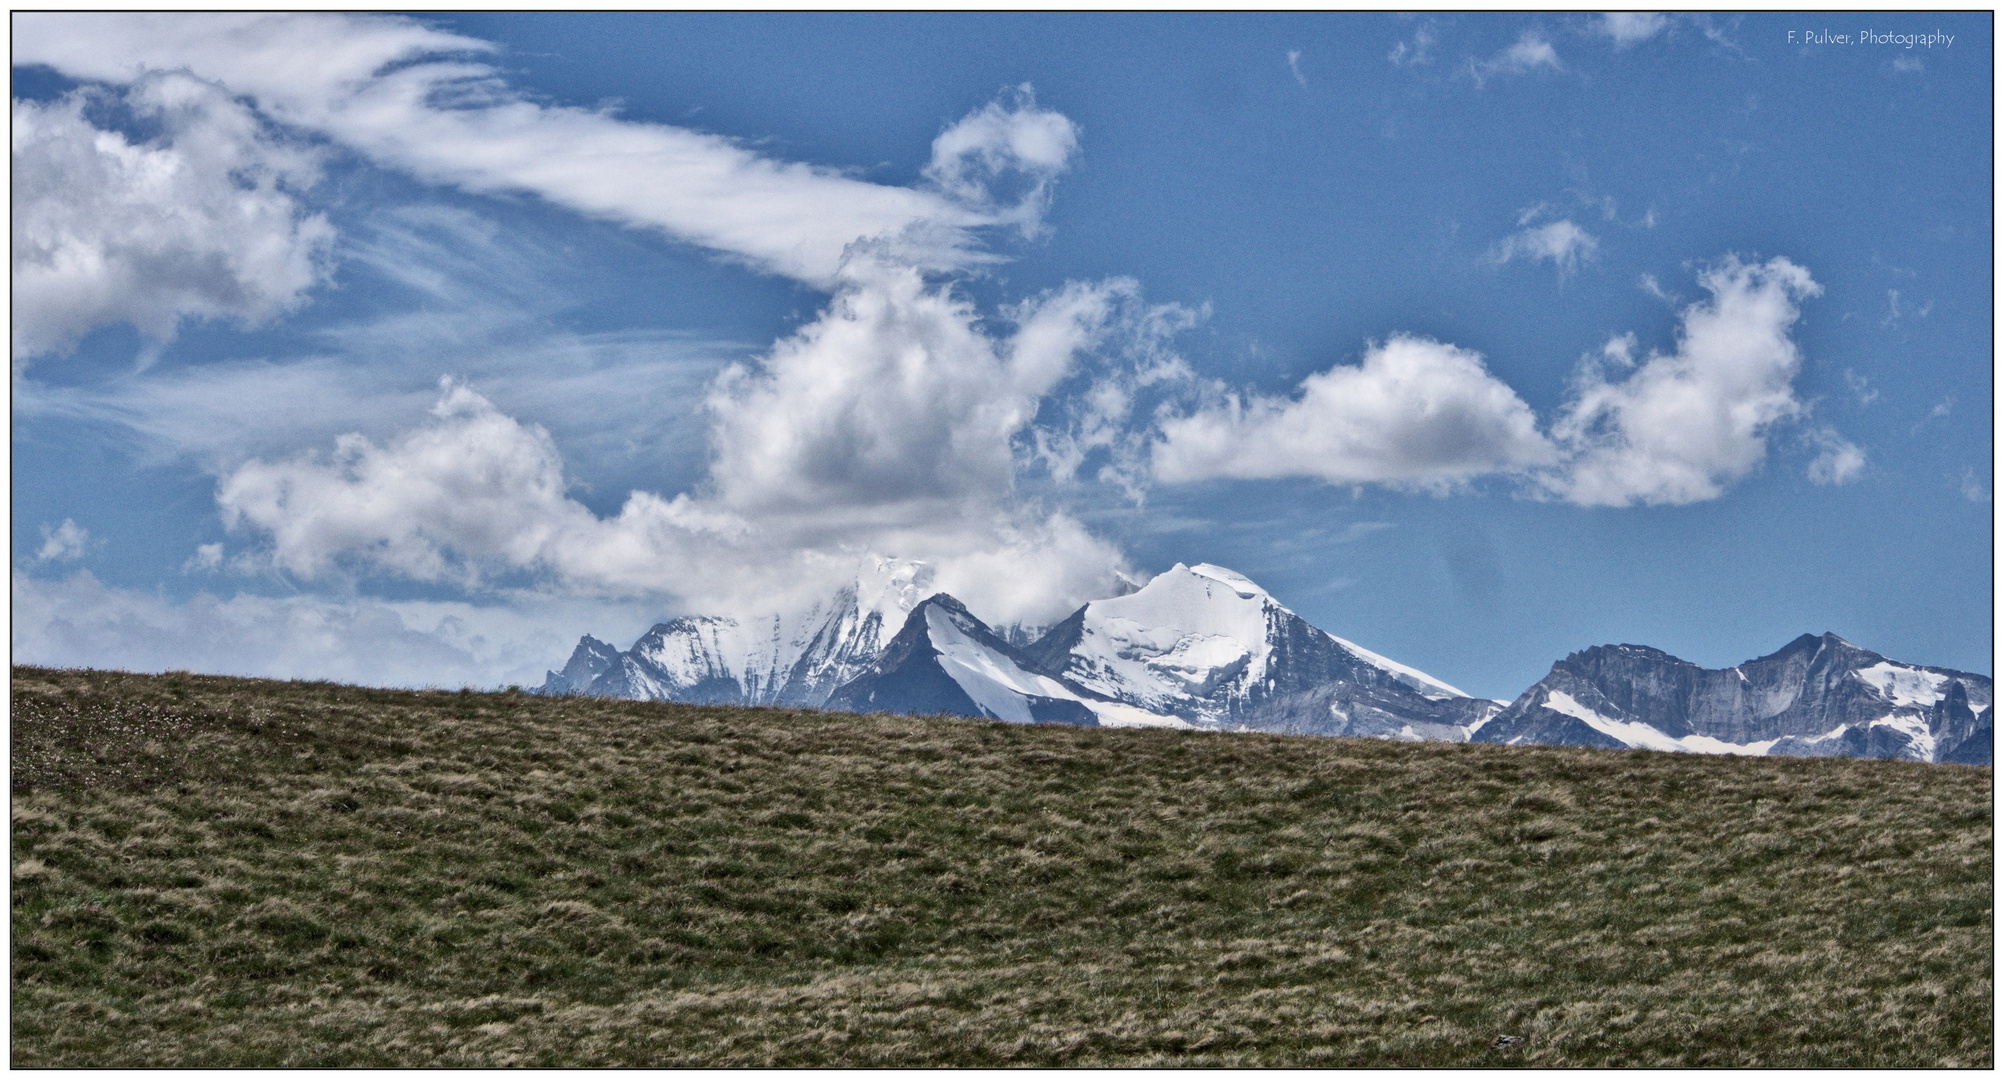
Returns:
(1683,425)
(1415,413)
(201,220)
(415,98)
(1563,243)
(1530,52)
(886,425)
(895,422)
(893,398)
(1669,428)
(898,421)
(1626,28)
(473,482)
(64,543)
(471,498)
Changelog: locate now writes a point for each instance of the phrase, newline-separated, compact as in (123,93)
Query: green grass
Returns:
(214,871)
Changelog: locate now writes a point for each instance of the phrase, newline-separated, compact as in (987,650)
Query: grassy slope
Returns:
(218,871)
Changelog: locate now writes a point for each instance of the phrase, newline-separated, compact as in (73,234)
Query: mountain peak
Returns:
(1817,695)
(1238,582)
(946,660)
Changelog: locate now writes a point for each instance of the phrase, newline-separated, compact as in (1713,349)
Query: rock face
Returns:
(591,659)
(1815,696)
(944,660)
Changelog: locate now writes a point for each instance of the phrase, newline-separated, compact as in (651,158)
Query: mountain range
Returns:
(1204,647)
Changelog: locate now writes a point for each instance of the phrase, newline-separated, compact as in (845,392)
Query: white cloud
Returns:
(64,543)
(208,557)
(1973,488)
(894,405)
(897,422)
(1684,425)
(888,424)
(415,98)
(885,426)
(1093,420)
(471,494)
(625,406)
(1531,52)
(1665,429)
(999,143)
(1294,66)
(1838,460)
(1565,244)
(1628,28)
(1860,387)
(1419,50)
(83,622)
(1415,413)
(199,221)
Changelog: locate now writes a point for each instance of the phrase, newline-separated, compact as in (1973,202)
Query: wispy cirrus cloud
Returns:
(1973,488)
(1417,50)
(1561,243)
(899,417)
(453,293)
(1531,52)
(81,621)
(415,98)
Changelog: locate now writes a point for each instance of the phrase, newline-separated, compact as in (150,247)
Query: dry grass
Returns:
(216,871)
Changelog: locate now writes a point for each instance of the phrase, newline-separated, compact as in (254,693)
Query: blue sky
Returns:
(1474,339)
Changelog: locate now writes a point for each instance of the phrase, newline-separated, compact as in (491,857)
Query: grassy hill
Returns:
(212,871)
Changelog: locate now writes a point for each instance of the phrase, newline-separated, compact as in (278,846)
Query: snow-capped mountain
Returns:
(1208,646)
(944,660)
(793,658)
(1817,696)
(1202,646)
